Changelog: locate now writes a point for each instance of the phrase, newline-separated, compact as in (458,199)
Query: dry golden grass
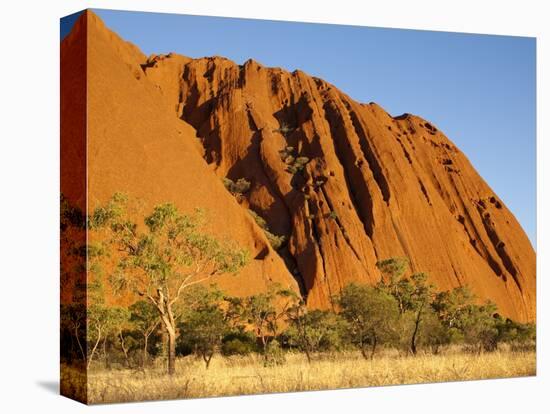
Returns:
(247,375)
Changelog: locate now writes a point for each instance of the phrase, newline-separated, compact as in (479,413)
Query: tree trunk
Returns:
(168,321)
(416,327)
(106,360)
(264,346)
(145,353)
(124,350)
(171,351)
(363,350)
(80,345)
(373,350)
(308,354)
(94,348)
(207,359)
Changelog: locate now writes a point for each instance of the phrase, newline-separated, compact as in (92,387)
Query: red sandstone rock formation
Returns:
(368,186)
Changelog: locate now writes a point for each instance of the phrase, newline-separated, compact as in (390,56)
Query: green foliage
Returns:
(166,259)
(103,321)
(433,333)
(371,314)
(172,253)
(287,155)
(239,343)
(452,305)
(262,314)
(284,129)
(515,333)
(295,163)
(314,331)
(102,215)
(414,296)
(332,215)
(274,354)
(239,187)
(144,315)
(392,269)
(73,324)
(145,319)
(203,322)
(162,259)
(276,241)
(479,326)
(259,220)
(301,161)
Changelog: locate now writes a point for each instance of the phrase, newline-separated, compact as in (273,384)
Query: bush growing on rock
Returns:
(276,241)
(239,187)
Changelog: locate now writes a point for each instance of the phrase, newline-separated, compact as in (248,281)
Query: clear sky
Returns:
(478,89)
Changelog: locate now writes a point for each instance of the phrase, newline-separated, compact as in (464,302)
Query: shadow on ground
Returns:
(51,386)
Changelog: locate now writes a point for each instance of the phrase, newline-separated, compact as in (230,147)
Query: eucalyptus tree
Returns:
(164,254)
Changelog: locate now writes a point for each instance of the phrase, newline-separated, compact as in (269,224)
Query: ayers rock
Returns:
(169,128)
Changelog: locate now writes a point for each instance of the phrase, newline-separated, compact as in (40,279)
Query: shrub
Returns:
(276,241)
(302,161)
(372,316)
(320,181)
(297,164)
(286,152)
(203,322)
(258,219)
(274,354)
(284,129)
(315,331)
(239,187)
(238,343)
(479,327)
(294,162)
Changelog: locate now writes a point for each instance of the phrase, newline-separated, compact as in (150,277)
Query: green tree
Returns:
(451,305)
(103,321)
(432,333)
(392,280)
(204,322)
(145,318)
(413,294)
(262,313)
(418,302)
(164,256)
(73,323)
(371,314)
(515,333)
(479,326)
(238,342)
(314,331)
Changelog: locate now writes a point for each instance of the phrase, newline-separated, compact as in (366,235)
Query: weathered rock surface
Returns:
(374,186)
(135,145)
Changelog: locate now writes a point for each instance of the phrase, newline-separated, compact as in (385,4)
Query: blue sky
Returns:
(480,90)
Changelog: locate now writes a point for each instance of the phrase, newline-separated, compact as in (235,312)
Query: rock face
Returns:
(345,182)
(136,145)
